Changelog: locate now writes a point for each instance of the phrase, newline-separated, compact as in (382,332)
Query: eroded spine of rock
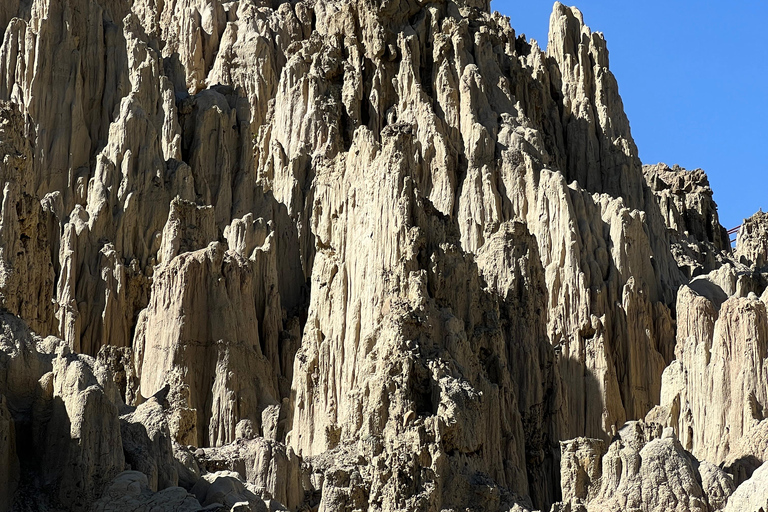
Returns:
(345,255)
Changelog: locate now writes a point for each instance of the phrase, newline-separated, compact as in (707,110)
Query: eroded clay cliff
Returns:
(354,255)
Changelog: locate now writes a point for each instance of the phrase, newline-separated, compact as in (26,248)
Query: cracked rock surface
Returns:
(353,255)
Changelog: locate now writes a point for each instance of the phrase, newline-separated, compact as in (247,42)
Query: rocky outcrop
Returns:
(80,464)
(147,442)
(65,64)
(222,490)
(65,420)
(699,243)
(501,185)
(417,359)
(130,491)
(353,255)
(752,494)
(26,229)
(269,468)
(65,414)
(748,453)
(227,489)
(713,394)
(643,468)
(217,358)
(106,251)
(751,247)
(9,461)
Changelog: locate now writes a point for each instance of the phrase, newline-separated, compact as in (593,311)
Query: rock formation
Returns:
(698,242)
(353,255)
(644,468)
(750,495)
(751,248)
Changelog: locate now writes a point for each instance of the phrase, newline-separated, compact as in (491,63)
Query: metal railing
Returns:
(732,232)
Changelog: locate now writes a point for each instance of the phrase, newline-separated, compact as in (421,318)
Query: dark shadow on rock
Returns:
(742,468)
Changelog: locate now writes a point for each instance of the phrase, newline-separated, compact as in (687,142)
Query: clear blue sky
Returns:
(694,79)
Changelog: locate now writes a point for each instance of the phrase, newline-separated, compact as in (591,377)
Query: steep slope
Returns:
(339,254)
(715,393)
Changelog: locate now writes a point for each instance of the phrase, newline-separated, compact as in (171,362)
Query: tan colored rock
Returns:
(715,390)
(751,245)
(235,380)
(81,464)
(64,62)
(246,235)
(147,442)
(189,228)
(217,146)
(119,364)
(252,52)
(102,286)
(271,468)
(8,10)
(26,269)
(480,212)
(65,403)
(186,465)
(442,258)
(384,321)
(581,468)
(130,491)
(593,110)
(752,494)
(717,485)
(699,243)
(226,488)
(643,468)
(749,452)
(471,104)
(191,31)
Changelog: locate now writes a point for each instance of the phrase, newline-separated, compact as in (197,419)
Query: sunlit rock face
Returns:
(644,468)
(354,255)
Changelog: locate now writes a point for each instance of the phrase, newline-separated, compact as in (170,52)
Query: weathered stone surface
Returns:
(749,452)
(228,489)
(751,241)
(717,485)
(643,469)
(189,227)
(130,492)
(9,461)
(272,469)
(752,494)
(83,462)
(26,226)
(581,468)
(353,255)
(422,364)
(216,357)
(65,419)
(109,243)
(713,394)
(65,64)
(698,241)
(147,442)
